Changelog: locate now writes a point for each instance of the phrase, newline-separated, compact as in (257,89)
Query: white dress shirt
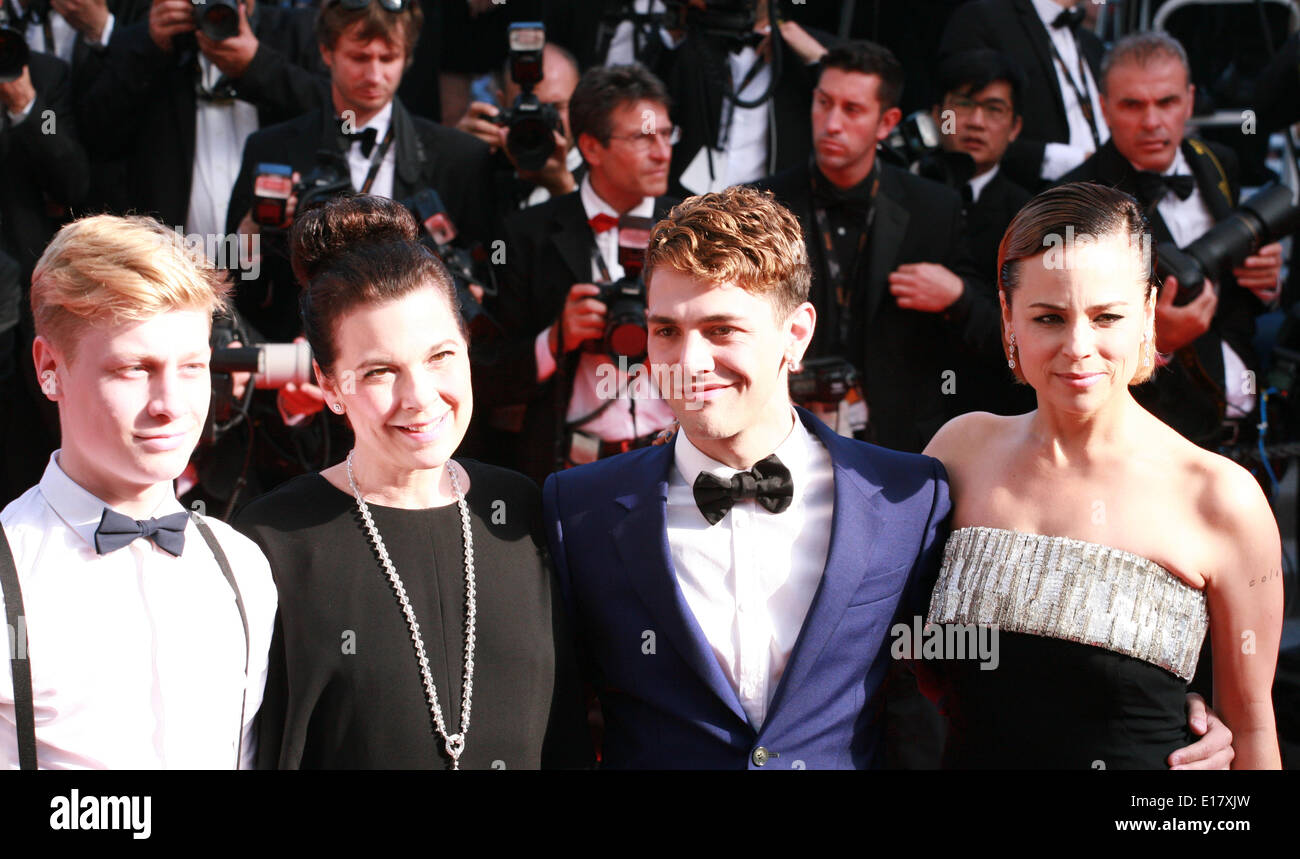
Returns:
(620,51)
(137,657)
(980,182)
(1061,158)
(220,129)
(359,162)
(750,579)
(1187,221)
(589,391)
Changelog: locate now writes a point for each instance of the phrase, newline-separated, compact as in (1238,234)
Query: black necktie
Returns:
(967,198)
(366,137)
(116,530)
(1152,187)
(1072,18)
(768,482)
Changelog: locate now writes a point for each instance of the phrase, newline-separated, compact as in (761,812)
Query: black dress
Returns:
(1089,668)
(344,688)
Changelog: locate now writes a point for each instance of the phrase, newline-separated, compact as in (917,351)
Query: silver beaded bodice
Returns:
(1070,589)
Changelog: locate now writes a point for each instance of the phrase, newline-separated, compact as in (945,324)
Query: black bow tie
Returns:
(768,482)
(116,530)
(1153,186)
(366,137)
(1072,18)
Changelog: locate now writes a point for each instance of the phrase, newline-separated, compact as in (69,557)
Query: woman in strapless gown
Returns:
(1095,544)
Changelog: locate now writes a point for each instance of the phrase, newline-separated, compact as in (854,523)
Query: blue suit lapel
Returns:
(642,541)
(855,531)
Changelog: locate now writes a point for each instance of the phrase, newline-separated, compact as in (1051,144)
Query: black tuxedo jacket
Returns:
(1014,28)
(141,106)
(549,248)
(695,73)
(902,354)
(456,165)
(43,166)
(1178,394)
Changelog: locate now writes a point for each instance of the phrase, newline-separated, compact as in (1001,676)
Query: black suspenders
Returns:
(21,668)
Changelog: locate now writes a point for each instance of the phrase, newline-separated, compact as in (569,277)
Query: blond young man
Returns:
(139,632)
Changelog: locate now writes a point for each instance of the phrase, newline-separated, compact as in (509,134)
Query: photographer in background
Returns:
(1185,185)
(978,115)
(893,283)
(741,96)
(177,101)
(363,140)
(69,29)
(553,390)
(518,188)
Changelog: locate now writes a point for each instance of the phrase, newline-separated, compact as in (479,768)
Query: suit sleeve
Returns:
(511,365)
(976,316)
(130,76)
(926,572)
(58,159)
(284,87)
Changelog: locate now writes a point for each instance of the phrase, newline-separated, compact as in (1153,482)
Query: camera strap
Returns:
(599,260)
(377,159)
(1081,95)
(730,99)
(842,282)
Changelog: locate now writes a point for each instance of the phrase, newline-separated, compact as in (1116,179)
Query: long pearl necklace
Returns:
(454,743)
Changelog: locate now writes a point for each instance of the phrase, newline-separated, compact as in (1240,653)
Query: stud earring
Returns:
(338,407)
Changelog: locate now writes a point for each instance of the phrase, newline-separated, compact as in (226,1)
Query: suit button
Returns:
(760,756)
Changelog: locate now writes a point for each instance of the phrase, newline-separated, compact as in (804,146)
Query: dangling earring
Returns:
(1011,340)
(1148,349)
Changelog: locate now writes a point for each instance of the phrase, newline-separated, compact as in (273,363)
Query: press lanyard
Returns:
(841,284)
(1084,100)
(376,159)
(730,99)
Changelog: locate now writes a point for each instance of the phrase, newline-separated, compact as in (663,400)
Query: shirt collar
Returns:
(979,183)
(81,510)
(1048,10)
(595,205)
(796,453)
(379,122)
(1179,164)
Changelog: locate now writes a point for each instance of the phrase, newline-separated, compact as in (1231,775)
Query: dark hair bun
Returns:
(323,233)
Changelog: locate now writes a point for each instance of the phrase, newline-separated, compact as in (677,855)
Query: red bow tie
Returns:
(602,222)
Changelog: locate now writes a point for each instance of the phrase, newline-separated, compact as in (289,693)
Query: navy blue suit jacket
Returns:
(665,699)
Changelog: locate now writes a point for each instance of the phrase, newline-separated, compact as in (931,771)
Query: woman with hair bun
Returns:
(1098,542)
(418,626)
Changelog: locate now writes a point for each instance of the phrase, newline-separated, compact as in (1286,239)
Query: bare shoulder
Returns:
(1232,509)
(969,435)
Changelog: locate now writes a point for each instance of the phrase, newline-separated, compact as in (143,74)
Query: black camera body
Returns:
(626,334)
(1266,217)
(217,19)
(330,178)
(14,51)
(823,380)
(730,22)
(438,234)
(532,125)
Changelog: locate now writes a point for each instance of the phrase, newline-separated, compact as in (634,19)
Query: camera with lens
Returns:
(532,125)
(1266,217)
(439,232)
(730,22)
(13,48)
(823,380)
(625,299)
(217,19)
(273,365)
(274,185)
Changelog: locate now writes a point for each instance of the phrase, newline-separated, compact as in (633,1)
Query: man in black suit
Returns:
(1060,59)
(1185,185)
(43,174)
(569,402)
(177,105)
(893,283)
(365,135)
(978,113)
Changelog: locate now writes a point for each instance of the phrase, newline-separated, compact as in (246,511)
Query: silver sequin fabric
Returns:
(1073,590)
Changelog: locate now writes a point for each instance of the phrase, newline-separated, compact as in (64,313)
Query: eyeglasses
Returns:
(645,140)
(994,108)
(353,5)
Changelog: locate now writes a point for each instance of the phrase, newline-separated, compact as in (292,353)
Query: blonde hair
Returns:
(107,269)
(739,236)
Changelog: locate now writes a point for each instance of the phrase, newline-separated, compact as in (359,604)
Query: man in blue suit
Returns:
(732,591)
